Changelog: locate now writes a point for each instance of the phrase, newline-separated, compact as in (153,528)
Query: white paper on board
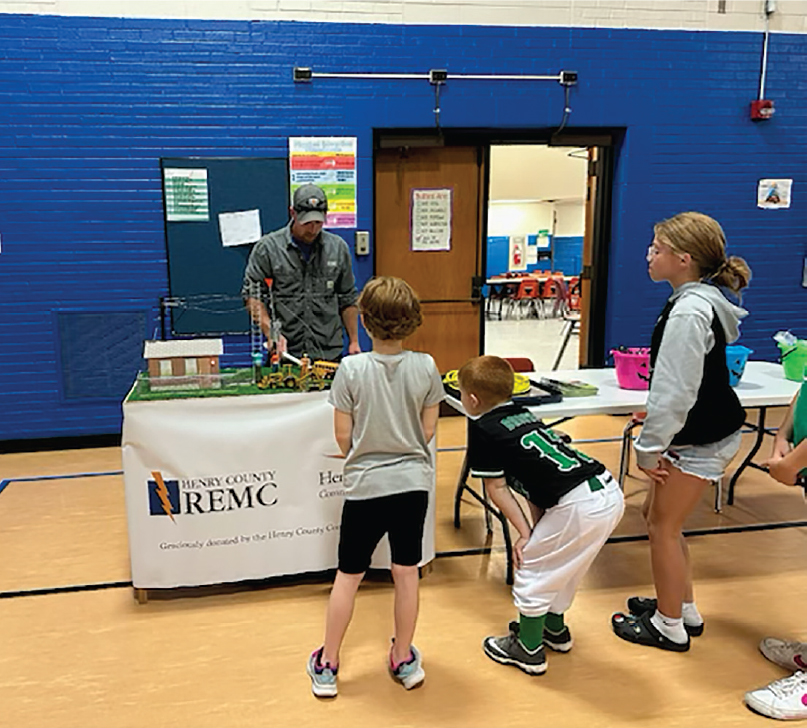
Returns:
(239,228)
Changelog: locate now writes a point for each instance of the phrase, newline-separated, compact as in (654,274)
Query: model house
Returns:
(184,362)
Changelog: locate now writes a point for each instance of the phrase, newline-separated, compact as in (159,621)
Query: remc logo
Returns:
(163,496)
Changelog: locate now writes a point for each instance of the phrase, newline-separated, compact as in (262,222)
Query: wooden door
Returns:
(443,279)
(588,257)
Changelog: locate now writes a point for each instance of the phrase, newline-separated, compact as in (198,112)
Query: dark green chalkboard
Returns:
(201,271)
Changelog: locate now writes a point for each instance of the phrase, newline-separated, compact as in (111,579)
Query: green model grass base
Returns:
(233,383)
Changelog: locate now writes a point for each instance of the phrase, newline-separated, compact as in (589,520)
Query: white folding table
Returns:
(763,385)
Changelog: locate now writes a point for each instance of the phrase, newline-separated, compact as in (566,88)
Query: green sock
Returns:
(555,623)
(531,631)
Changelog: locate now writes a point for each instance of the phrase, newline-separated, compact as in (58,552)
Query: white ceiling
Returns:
(525,172)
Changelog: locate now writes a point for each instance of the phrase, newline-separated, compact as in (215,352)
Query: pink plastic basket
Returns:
(632,367)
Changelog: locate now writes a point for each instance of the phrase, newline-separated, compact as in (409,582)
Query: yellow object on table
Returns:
(521,385)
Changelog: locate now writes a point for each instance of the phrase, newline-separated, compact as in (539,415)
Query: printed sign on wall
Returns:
(430,223)
(186,198)
(330,163)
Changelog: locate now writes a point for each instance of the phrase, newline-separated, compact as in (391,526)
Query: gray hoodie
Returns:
(678,370)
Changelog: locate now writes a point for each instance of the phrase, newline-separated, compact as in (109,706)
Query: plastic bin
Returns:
(794,358)
(736,358)
(632,366)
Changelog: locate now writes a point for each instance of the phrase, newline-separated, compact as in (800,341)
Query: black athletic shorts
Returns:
(364,523)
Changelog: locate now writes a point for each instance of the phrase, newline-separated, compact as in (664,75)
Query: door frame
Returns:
(607,140)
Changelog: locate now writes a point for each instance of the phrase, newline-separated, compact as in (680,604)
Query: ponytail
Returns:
(733,273)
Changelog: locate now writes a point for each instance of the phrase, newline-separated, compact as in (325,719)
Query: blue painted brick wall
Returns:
(89,105)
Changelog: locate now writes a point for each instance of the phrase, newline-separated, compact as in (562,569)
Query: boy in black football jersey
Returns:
(574,502)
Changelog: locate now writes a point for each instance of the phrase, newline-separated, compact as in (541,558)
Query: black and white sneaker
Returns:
(509,650)
(641,605)
(558,641)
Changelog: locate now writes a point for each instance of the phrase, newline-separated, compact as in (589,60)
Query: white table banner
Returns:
(224,489)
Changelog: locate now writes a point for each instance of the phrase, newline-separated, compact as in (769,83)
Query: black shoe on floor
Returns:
(640,631)
(558,641)
(508,650)
(641,605)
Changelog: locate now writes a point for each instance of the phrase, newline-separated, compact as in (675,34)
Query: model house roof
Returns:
(183,348)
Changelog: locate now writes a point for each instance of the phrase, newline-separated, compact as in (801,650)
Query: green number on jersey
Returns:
(549,445)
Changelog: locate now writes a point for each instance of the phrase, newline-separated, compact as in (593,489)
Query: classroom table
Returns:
(498,285)
(232,488)
(762,386)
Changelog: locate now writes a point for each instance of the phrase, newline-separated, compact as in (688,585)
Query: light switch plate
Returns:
(362,242)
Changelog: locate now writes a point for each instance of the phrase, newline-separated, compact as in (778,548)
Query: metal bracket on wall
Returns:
(434,76)
(439,76)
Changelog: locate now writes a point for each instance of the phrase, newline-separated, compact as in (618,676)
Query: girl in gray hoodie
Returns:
(692,427)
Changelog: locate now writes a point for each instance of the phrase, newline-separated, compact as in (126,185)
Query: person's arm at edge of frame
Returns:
(786,462)
(428,420)
(503,499)
(786,470)
(347,295)
(350,320)
(343,430)
(784,435)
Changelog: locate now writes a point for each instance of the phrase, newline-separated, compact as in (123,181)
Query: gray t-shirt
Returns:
(386,394)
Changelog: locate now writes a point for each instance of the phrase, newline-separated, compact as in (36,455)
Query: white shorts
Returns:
(705,461)
(563,545)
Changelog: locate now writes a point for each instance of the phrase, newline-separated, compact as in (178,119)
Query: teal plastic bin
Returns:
(736,358)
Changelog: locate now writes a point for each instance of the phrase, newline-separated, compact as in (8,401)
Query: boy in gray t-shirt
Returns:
(386,407)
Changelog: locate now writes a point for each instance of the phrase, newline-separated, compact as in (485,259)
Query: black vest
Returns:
(717,411)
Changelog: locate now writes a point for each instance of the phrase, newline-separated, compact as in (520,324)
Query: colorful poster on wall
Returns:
(518,252)
(330,163)
(186,198)
(430,219)
(774,194)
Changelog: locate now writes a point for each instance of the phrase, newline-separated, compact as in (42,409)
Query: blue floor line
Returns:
(35,478)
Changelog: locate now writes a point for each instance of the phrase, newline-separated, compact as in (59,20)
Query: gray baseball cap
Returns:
(310,204)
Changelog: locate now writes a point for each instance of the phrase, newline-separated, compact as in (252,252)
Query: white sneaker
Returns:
(785,699)
(323,677)
(790,655)
(410,673)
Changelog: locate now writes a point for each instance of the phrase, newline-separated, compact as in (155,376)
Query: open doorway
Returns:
(536,226)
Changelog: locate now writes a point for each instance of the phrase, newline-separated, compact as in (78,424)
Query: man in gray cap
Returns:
(313,287)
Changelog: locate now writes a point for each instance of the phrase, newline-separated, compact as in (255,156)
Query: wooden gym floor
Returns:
(236,658)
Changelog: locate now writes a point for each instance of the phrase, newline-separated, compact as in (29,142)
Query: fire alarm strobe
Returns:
(762,109)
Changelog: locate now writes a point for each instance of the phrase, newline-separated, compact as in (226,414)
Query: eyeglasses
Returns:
(654,250)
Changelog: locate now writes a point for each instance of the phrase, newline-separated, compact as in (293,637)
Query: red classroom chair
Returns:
(555,290)
(520,363)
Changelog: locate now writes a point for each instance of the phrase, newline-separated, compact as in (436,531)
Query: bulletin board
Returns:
(204,273)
